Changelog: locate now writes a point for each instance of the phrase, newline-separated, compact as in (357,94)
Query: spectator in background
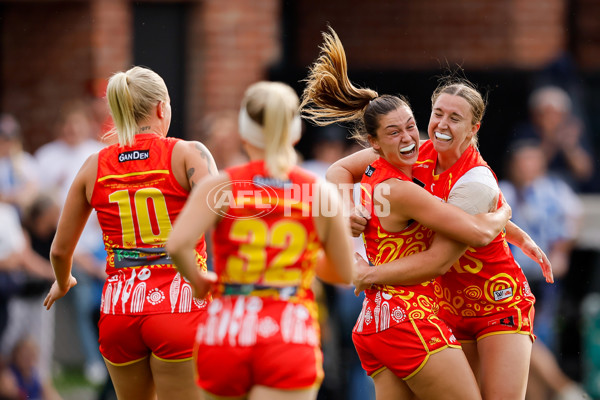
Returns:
(562,136)
(100,111)
(59,161)
(547,208)
(223,140)
(12,243)
(18,169)
(27,317)
(24,287)
(24,366)
(9,387)
(328,144)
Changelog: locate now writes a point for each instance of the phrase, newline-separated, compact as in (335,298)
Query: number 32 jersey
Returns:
(267,239)
(137,199)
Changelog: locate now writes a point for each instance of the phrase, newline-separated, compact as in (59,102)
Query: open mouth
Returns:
(442,136)
(408,149)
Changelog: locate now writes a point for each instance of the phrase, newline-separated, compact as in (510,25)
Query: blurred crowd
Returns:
(548,161)
(32,190)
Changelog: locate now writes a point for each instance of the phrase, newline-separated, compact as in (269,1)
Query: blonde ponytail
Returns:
(274,106)
(131,97)
(121,108)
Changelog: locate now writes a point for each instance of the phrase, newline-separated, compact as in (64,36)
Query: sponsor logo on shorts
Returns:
(434,340)
(506,321)
(503,294)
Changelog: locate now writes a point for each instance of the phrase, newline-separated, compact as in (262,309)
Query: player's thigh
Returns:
(210,396)
(446,375)
(175,379)
(259,392)
(388,386)
(504,366)
(132,381)
(470,350)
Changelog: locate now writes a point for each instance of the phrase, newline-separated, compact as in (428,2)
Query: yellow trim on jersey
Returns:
(429,160)
(156,171)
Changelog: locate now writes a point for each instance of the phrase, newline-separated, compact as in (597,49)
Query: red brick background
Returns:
(53,51)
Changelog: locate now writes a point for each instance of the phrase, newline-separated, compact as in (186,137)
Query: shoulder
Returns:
(192,148)
(476,191)
(398,190)
(479,174)
(190,145)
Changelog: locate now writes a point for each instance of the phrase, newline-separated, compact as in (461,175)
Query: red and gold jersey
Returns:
(137,199)
(387,305)
(485,280)
(266,243)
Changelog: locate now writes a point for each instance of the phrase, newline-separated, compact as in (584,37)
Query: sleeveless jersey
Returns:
(387,305)
(137,199)
(266,240)
(265,251)
(485,280)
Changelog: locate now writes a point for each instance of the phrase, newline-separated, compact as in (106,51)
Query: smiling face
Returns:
(397,138)
(450,126)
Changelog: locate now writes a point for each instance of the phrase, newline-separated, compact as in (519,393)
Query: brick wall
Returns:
(53,50)
(586,19)
(46,56)
(426,34)
(233,43)
(111,37)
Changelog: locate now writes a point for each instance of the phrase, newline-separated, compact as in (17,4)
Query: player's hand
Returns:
(533,251)
(358,220)
(361,271)
(205,284)
(56,292)
(504,206)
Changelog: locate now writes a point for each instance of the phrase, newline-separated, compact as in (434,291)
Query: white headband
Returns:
(252,132)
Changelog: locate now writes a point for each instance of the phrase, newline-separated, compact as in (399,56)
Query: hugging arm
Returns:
(456,231)
(522,240)
(474,230)
(411,270)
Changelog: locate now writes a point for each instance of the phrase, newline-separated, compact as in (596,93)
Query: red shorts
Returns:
(257,342)
(515,319)
(404,348)
(125,339)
